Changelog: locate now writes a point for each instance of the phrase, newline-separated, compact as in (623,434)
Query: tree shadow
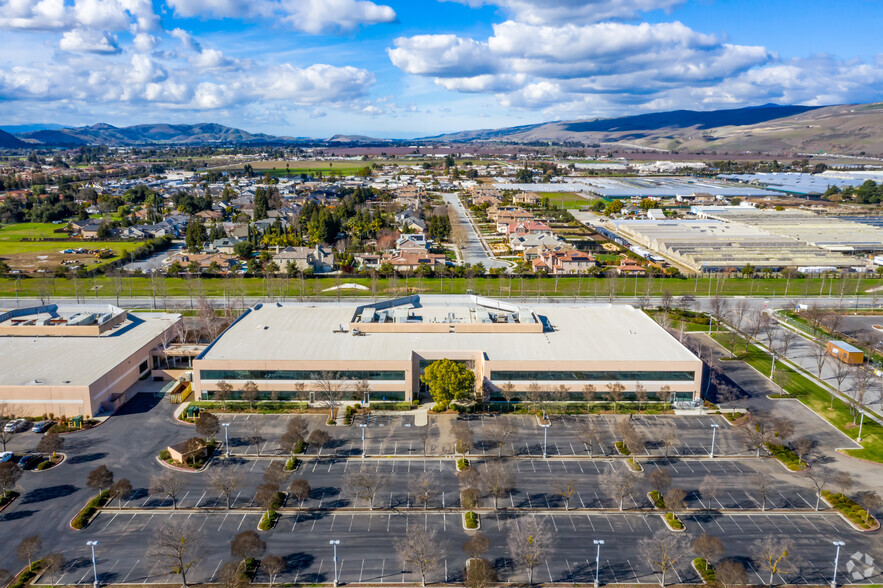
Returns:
(16,515)
(48,493)
(86,458)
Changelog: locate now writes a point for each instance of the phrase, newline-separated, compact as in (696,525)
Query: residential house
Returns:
(526,198)
(319,259)
(412,243)
(210,215)
(368,260)
(226,245)
(511,216)
(630,267)
(524,228)
(226,263)
(412,260)
(531,241)
(564,262)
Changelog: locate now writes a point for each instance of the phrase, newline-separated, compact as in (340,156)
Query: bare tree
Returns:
(207,425)
(771,554)
(364,484)
(565,489)
(674,499)
(295,434)
(498,480)
(266,495)
(499,432)
(640,394)
(423,489)
(100,479)
(250,393)
(589,393)
(273,565)
(819,477)
(423,435)
(462,437)
(660,480)
(226,481)
(864,390)
(175,547)
(708,547)
(300,490)
(477,545)
(760,430)
(663,550)
(786,340)
(730,573)
(615,393)
(10,474)
(588,435)
(230,576)
(424,550)
(319,438)
(871,501)
(223,392)
(720,308)
(247,545)
(29,549)
(480,573)
(121,489)
(530,542)
(844,481)
(5,436)
(762,484)
(841,372)
(53,566)
(709,488)
(169,484)
(330,391)
(670,442)
(619,484)
(802,446)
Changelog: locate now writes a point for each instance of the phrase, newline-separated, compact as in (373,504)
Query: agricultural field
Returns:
(565,199)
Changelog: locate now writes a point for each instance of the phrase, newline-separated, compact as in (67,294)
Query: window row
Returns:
(303,375)
(571,376)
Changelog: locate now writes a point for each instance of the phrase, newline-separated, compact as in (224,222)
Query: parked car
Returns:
(16,426)
(42,426)
(5,456)
(30,461)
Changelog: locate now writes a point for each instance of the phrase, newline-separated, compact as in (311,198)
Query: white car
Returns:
(16,426)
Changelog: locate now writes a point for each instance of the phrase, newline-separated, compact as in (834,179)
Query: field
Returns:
(590,289)
(31,256)
(565,199)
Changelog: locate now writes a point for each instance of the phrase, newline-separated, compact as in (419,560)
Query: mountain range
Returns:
(849,129)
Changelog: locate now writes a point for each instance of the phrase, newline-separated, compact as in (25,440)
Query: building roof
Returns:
(846,346)
(76,361)
(583,332)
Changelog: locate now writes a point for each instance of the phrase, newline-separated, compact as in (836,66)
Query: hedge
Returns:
(292,464)
(673,521)
(850,509)
(705,569)
(622,448)
(85,515)
(394,405)
(787,457)
(27,575)
(268,521)
(657,499)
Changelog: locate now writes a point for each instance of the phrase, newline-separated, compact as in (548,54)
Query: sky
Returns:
(415,68)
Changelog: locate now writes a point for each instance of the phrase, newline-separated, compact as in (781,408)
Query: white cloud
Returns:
(80,41)
(112,15)
(442,55)
(539,12)
(311,16)
(33,14)
(144,42)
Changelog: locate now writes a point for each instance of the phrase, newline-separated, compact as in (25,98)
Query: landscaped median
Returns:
(7,498)
(787,457)
(271,515)
(26,575)
(814,397)
(84,517)
(673,522)
(705,570)
(850,510)
(471,521)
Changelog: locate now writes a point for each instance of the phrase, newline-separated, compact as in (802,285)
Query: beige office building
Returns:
(78,359)
(286,349)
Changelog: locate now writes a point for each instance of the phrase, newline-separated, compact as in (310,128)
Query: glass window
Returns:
(574,376)
(256,375)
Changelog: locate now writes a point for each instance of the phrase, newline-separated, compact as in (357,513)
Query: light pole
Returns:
(860,424)
(545,435)
(363,427)
(714,427)
(334,543)
(92,544)
(773,369)
(226,439)
(838,544)
(598,543)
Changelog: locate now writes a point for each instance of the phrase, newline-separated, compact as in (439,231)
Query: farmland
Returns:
(32,256)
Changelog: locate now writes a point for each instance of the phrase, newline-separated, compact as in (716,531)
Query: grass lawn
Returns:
(19,231)
(815,397)
(565,199)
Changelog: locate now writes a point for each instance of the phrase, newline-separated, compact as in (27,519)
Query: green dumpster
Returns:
(77,421)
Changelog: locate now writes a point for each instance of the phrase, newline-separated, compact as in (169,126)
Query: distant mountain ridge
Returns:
(145,134)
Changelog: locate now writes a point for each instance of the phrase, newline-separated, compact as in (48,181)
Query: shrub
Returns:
(622,448)
(392,406)
(635,466)
(27,575)
(268,521)
(85,515)
(657,499)
(471,520)
(462,464)
(292,464)
(7,498)
(787,457)
(673,521)
(300,446)
(706,570)
(44,465)
(165,455)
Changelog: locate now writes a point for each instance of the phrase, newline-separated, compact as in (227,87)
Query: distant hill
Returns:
(148,134)
(8,141)
(28,128)
(849,129)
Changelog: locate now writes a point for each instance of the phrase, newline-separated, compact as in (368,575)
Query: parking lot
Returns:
(302,539)
(390,434)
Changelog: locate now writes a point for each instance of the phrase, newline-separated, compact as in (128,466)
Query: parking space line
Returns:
(130,571)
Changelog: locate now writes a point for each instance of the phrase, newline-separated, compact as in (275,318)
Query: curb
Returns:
(169,466)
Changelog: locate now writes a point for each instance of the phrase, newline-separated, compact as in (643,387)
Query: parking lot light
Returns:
(334,543)
(598,543)
(860,425)
(92,544)
(363,426)
(545,437)
(226,439)
(714,427)
(838,544)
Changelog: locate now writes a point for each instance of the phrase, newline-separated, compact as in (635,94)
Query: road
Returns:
(473,252)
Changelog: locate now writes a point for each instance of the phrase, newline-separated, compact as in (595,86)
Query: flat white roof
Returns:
(579,332)
(76,361)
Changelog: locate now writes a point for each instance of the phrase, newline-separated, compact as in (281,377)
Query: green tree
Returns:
(261,203)
(243,249)
(448,380)
(613,207)
(195,235)
(524,176)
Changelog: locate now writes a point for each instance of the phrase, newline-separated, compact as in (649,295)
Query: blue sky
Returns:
(421,67)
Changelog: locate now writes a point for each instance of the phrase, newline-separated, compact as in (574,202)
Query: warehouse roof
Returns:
(73,360)
(585,332)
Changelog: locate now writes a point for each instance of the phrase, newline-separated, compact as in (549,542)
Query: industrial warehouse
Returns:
(289,350)
(77,359)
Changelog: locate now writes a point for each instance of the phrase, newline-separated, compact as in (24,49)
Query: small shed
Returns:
(846,353)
